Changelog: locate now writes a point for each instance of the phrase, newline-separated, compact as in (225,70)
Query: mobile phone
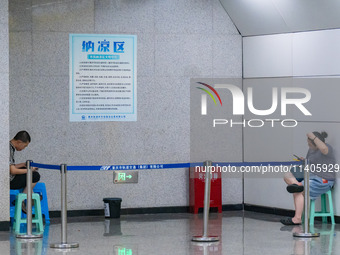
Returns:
(296,157)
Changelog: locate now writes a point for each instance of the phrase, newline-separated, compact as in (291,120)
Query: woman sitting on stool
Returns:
(321,161)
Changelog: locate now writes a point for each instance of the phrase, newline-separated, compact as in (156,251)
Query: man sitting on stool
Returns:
(18,172)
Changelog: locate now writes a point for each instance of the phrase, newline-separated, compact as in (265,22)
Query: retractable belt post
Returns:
(205,237)
(64,244)
(307,232)
(29,234)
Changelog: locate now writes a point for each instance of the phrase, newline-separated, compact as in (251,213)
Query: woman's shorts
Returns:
(317,187)
(297,171)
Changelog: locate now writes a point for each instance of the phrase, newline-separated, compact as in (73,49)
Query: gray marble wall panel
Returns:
(4,47)
(174,44)
(20,86)
(227,56)
(170,17)
(20,15)
(4,117)
(21,52)
(50,53)
(125,16)
(187,55)
(63,16)
(4,138)
(146,54)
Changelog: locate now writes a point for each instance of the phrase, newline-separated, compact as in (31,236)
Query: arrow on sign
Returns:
(129,176)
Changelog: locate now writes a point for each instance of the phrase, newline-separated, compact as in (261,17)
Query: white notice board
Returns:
(103,82)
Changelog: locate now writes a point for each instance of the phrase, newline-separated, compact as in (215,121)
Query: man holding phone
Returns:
(18,172)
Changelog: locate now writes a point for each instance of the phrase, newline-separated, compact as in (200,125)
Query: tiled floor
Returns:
(240,233)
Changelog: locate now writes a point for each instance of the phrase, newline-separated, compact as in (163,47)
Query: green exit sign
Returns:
(125,250)
(125,176)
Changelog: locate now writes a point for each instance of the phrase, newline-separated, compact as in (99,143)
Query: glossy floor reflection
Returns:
(241,233)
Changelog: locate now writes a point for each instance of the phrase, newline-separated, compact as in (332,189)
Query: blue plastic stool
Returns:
(40,188)
(323,213)
(12,197)
(18,219)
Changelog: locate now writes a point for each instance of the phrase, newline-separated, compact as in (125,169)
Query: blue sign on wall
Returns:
(103,82)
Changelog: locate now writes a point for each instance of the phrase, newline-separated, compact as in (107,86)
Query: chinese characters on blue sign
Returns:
(103,46)
(103,84)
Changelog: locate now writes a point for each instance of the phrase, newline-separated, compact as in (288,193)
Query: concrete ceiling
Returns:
(263,17)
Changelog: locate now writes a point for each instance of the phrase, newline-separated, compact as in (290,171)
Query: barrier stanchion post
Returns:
(306,228)
(64,244)
(29,234)
(205,237)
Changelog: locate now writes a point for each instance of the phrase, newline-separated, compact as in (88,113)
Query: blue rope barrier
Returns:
(45,166)
(160,166)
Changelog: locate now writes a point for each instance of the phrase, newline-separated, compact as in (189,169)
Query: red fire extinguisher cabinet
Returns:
(196,190)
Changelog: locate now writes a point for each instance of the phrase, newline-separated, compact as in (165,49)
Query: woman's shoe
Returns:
(294,188)
(289,222)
